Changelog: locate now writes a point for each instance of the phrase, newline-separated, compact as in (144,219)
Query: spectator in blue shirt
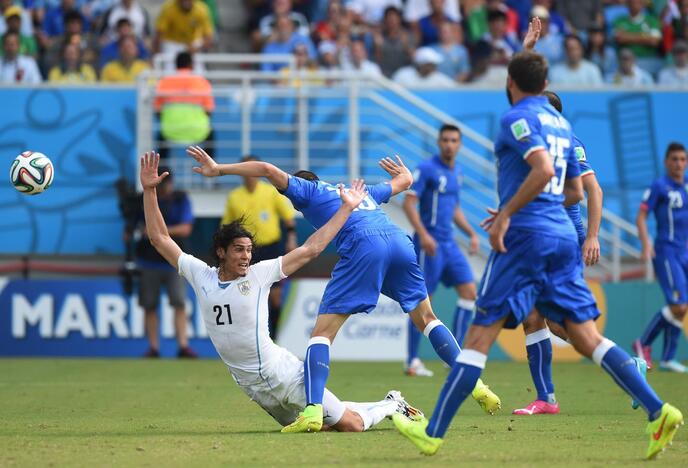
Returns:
(283,41)
(455,59)
(56,18)
(110,51)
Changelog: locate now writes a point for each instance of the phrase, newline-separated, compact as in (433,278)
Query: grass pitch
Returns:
(173,413)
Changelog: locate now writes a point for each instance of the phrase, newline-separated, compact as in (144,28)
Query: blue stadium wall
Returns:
(90,136)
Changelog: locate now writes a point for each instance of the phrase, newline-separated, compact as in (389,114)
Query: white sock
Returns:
(373,412)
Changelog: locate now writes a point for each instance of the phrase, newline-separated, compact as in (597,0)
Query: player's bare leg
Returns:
(664,418)
(152,323)
(316,368)
(448,350)
(180,321)
(539,348)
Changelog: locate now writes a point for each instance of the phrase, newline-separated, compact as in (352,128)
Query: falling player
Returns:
(536,261)
(375,257)
(436,187)
(234,303)
(667,198)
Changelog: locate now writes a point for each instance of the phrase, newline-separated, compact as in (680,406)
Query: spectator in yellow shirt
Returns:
(71,69)
(262,208)
(127,67)
(183,25)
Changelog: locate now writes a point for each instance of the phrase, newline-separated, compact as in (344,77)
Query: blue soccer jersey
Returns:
(574,211)
(668,200)
(530,125)
(318,201)
(437,187)
(375,256)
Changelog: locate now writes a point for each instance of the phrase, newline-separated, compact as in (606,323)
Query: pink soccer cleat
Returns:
(643,352)
(538,407)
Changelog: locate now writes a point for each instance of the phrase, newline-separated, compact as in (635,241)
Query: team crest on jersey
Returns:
(580,153)
(520,129)
(244,287)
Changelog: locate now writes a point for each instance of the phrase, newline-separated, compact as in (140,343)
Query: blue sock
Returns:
(316,368)
(443,341)
(617,363)
(656,325)
(413,342)
(672,334)
(539,349)
(462,318)
(459,384)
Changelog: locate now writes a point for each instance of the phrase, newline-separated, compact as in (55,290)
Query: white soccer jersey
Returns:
(236,312)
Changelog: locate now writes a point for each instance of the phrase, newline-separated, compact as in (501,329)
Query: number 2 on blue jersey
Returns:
(557,149)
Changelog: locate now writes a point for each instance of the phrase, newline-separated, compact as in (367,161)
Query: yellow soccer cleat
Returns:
(309,420)
(415,432)
(662,430)
(486,398)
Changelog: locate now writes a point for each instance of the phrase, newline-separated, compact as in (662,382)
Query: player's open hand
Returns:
(497,231)
(353,196)
(591,251)
(533,34)
(208,167)
(396,168)
(149,170)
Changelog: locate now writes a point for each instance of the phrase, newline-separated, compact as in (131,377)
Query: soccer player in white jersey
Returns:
(234,303)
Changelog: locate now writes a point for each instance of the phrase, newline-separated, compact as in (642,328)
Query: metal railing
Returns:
(339,124)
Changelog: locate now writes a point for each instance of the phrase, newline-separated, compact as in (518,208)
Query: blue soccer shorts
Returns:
(371,262)
(671,269)
(538,270)
(448,265)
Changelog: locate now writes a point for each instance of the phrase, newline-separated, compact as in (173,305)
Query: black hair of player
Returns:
(529,71)
(183,60)
(674,146)
(449,128)
(554,100)
(226,234)
(308,175)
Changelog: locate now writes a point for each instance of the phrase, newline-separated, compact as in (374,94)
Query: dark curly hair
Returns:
(226,234)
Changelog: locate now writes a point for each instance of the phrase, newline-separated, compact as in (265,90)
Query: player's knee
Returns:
(558,330)
(534,322)
(350,422)
(679,310)
(467,291)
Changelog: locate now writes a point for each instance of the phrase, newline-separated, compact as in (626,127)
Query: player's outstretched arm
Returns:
(155,224)
(317,242)
(591,246)
(401,176)
(209,168)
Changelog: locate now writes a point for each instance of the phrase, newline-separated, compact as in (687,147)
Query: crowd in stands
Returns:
(84,41)
(417,43)
(448,43)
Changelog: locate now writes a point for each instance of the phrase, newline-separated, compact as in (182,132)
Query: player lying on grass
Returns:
(375,256)
(234,303)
